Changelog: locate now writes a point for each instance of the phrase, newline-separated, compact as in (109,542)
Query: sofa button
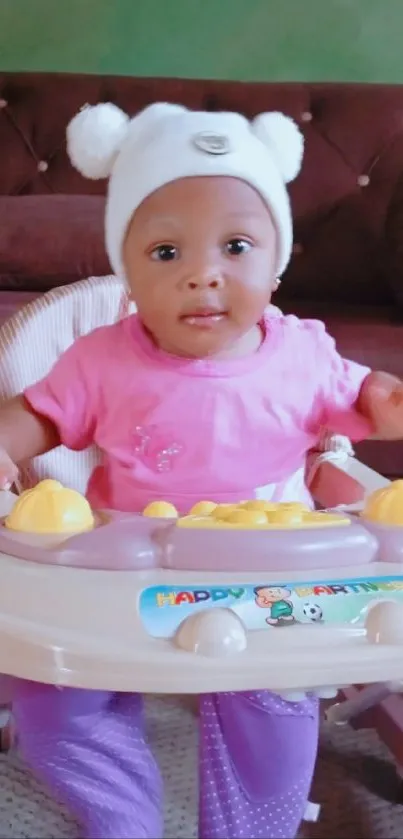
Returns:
(3,103)
(43,166)
(306,116)
(363,180)
(297,249)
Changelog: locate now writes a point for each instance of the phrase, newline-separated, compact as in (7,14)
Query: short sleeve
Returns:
(339,386)
(66,396)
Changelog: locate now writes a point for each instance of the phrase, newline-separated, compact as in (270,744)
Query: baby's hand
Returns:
(8,471)
(381,401)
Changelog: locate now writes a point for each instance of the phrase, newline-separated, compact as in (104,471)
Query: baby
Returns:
(199,394)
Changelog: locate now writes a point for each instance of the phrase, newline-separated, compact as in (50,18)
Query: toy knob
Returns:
(160,510)
(385,505)
(384,623)
(214,633)
(50,508)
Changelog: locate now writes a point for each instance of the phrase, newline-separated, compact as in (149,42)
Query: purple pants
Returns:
(257,756)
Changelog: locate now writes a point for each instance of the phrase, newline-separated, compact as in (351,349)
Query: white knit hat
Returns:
(167,142)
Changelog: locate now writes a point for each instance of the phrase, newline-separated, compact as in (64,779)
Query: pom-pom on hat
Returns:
(167,142)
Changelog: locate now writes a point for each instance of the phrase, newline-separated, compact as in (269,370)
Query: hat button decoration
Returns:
(211,143)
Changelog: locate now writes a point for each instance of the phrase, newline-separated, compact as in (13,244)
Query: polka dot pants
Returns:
(257,755)
(89,748)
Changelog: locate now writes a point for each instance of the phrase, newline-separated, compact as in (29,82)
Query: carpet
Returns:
(356,784)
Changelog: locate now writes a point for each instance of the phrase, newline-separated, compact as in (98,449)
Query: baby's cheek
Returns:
(250,304)
(396,397)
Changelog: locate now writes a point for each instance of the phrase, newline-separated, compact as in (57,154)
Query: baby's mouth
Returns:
(204,318)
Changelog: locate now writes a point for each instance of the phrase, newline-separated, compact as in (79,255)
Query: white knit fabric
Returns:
(31,342)
(167,142)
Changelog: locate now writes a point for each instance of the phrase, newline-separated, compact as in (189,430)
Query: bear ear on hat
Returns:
(94,139)
(283,138)
(158,111)
(149,123)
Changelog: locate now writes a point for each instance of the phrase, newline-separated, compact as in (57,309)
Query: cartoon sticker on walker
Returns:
(276,599)
(268,605)
(313,612)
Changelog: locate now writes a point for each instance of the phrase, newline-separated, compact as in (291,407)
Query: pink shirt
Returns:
(184,430)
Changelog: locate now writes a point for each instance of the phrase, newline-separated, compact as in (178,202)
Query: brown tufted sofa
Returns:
(347,265)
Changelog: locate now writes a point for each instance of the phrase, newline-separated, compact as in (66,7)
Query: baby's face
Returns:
(200,256)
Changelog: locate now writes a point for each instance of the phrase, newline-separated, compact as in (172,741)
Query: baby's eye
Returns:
(237,246)
(165,253)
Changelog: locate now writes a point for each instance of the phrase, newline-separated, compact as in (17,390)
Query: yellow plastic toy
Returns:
(258,515)
(50,508)
(160,510)
(385,506)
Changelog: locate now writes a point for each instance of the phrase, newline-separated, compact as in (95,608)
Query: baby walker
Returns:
(161,602)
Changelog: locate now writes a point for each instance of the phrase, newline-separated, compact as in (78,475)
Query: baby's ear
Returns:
(94,139)
(283,138)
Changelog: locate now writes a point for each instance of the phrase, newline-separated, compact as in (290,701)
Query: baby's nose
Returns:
(208,279)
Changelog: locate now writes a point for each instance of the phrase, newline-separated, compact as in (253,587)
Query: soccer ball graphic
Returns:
(313,612)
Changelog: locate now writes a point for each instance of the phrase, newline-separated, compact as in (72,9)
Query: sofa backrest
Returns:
(348,200)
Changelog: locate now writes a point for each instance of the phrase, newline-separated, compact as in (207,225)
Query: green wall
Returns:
(304,40)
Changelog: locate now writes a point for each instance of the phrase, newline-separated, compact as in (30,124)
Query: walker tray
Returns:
(227,598)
